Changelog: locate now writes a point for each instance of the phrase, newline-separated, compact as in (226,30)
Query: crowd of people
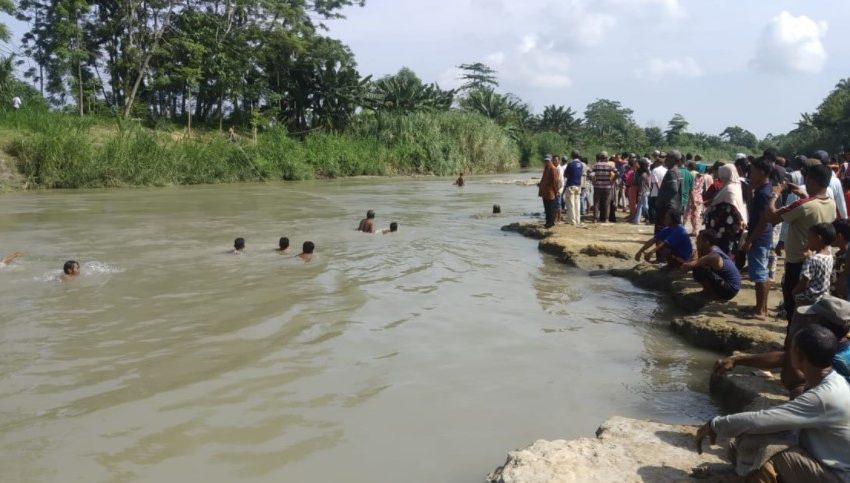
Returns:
(744,215)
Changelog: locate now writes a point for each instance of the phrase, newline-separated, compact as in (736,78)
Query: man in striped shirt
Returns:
(603,175)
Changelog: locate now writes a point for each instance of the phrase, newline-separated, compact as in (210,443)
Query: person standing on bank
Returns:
(548,190)
(800,216)
(670,191)
(573,175)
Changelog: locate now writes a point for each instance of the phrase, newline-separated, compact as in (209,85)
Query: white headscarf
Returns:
(731,192)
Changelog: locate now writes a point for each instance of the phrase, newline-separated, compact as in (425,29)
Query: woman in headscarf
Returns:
(727,215)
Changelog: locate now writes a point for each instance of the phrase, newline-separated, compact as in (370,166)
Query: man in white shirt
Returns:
(560,165)
(656,176)
(834,191)
(819,419)
(16,103)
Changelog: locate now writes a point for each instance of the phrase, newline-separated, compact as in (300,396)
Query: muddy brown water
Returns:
(420,357)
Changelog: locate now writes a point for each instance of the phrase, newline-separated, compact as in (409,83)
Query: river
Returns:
(422,356)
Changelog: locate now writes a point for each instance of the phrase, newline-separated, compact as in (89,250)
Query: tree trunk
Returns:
(221,113)
(80,82)
(189,111)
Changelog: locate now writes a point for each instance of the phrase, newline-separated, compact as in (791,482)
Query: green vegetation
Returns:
(141,93)
(61,151)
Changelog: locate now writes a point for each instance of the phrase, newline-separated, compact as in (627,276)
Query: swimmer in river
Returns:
(283,246)
(70,270)
(367,225)
(460,182)
(238,246)
(307,251)
(392,229)
(10,258)
(497,209)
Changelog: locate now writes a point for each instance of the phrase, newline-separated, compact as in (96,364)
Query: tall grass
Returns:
(61,151)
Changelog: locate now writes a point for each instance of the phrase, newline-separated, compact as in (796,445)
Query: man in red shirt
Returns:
(548,190)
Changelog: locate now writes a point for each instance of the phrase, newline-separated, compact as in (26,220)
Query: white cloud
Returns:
(540,64)
(791,44)
(657,69)
(649,8)
(450,78)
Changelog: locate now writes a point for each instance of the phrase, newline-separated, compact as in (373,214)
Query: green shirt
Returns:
(687,185)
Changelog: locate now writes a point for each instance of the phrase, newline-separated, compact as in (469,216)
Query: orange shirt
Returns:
(548,187)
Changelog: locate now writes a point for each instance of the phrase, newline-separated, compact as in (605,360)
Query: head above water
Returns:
(370,215)
(497,209)
(239,243)
(308,247)
(283,243)
(393,227)
(71,267)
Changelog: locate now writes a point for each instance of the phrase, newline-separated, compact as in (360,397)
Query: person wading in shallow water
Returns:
(548,190)
(367,225)
(459,182)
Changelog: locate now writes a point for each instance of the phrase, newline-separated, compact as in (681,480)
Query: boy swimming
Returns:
(392,229)
(283,246)
(307,251)
(238,246)
(70,270)
(367,224)
(10,258)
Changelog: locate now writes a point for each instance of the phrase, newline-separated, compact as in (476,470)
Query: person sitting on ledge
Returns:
(714,270)
(672,245)
(818,418)
(367,225)
(830,312)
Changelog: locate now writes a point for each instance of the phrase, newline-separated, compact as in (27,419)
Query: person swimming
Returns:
(70,270)
(497,209)
(10,258)
(460,182)
(367,225)
(238,246)
(307,250)
(283,245)
(392,229)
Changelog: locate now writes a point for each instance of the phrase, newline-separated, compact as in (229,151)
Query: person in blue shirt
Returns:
(671,245)
(572,192)
(714,270)
(759,240)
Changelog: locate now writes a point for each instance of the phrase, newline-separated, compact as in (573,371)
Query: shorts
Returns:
(757,263)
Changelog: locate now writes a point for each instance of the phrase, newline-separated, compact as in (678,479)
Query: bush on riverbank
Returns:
(61,151)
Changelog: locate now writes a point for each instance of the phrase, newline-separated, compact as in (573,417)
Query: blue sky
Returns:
(754,63)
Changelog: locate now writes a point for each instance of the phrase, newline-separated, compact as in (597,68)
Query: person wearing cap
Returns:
(834,190)
(818,207)
(670,191)
(817,422)
(603,175)
(573,174)
(548,190)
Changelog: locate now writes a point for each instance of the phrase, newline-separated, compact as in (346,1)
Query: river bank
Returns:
(646,450)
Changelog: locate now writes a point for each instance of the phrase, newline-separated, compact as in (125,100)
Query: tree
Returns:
(7,7)
(609,123)
(477,76)
(503,109)
(654,136)
(675,128)
(740,137)
(404,92)
(560,120)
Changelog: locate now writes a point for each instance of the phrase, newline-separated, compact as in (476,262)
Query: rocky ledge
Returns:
(626,450)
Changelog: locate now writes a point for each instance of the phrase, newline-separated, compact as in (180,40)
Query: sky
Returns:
(758,64)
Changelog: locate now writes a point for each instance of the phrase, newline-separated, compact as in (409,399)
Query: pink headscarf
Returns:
(731,192)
